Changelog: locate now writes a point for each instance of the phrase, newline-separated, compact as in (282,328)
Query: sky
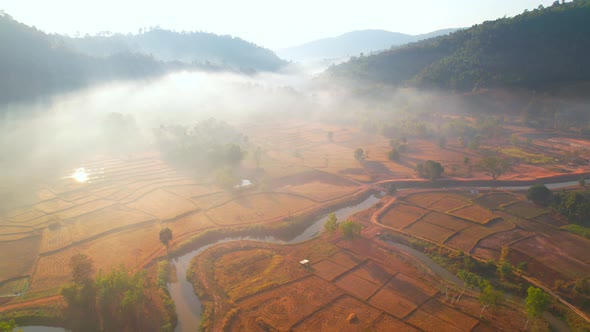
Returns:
(269,23)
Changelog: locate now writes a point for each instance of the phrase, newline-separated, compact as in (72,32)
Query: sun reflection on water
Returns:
(80,175)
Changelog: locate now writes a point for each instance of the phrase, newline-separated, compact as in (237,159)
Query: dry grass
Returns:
(475,213)
(445,221)
(401,215)
(429,231)
(256,208)
(334,317)
(525,210)
(163,204)
(495,200)
(18,257)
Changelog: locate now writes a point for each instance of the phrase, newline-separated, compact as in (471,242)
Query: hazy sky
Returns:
(270,23)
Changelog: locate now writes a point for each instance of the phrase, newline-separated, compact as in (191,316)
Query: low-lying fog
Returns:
(44,140)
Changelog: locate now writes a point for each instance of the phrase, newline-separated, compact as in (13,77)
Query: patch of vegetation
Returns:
(169,305)
(530,158)
(578,229)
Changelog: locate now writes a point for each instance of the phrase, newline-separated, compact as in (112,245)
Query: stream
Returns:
(188,306)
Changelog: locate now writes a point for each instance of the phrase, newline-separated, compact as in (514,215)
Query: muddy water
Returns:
(188,306)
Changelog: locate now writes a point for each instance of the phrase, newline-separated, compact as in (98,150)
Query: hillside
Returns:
(538,49)
(196,48)
(353,43)
(32,65)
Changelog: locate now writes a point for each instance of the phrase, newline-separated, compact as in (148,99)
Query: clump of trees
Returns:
(206,146)
(359,154)
(166,236)
(537,301)
(430,170)
(112,301)
(494,166)
(351,229)
(539,194)
(331,224)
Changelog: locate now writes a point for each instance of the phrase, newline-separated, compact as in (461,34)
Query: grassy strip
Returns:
(46,315)
(578,229)
(163,279)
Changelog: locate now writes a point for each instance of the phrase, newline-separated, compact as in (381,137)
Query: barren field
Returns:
(339,292)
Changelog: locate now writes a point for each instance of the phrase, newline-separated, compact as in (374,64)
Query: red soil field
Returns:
(495,200)
(429,231)
(19,256)
(401,215)
(524,210)
(334,317)
(327,269)
(448,203)
(372,272)
(475,213)
(386,322)
(445,220)
(356,286)
(295,301)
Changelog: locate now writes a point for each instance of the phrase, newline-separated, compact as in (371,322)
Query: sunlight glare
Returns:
(80,175)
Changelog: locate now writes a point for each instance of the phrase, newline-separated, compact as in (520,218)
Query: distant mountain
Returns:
(353,43)
(535,50)
(196,48)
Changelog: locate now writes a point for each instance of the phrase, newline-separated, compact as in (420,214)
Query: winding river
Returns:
(188,306)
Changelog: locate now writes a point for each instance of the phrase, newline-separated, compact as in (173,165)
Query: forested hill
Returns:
(196,48)
(33,64)
(537,49)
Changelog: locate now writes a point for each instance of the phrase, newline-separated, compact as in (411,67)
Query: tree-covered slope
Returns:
(537,49)
(32,64)
(196,48)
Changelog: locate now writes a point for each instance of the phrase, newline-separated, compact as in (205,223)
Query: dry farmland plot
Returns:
(190,223)
(346,259)
(52,271)
(500,239)
(388,323)
(163,204)
(372,272)
(424,199)
(429,323)
(318,191)
(356,286)
(129,247)
(429,231)
(392,302)
(328,270)
(334,317)
(495,200)
(401,215)
(53,205)
(286,306)
(191,190)
(205,202)
(105,220)
(18,257)
(475,213)
(82,209)
(467,238)
(448,203)
(14,286)
(553,255)
(445,220)
(24,216)
(55,238)
(257,208)
(451,316)
(524,210)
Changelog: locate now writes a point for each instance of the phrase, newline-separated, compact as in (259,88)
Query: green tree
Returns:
(82,268)
(495,166)
(166,236)
(536,302)
(539,194)
(331,224)
(430,170)
(359,154)
(393,155)
(351,229)
(490,297)
(7,326)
